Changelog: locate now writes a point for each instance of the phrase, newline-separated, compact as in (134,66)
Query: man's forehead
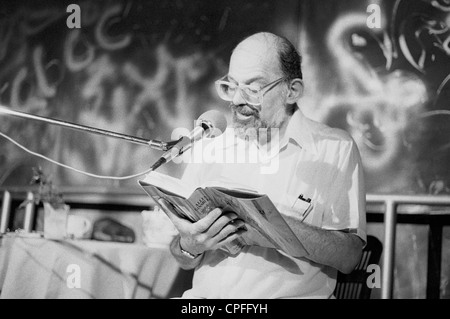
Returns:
(254,57)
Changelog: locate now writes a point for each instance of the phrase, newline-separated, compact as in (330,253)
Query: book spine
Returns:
(202,203)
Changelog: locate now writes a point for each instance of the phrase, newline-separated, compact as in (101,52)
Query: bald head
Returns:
(263,44)
(270,48)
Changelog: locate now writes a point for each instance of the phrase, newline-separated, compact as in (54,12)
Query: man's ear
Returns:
(295,91)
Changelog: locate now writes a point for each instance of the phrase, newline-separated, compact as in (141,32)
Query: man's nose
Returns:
(238,99)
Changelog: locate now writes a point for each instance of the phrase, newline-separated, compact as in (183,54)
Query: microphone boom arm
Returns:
(155,144)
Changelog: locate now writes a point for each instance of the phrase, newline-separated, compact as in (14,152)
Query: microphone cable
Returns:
(73,168)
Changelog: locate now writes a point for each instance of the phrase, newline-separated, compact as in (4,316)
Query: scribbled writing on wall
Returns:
(137,67)
(382,102)
(83,75)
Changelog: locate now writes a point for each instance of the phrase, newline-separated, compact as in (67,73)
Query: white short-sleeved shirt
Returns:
(314,160)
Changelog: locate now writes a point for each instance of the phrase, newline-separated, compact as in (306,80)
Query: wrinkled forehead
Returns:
(253,58)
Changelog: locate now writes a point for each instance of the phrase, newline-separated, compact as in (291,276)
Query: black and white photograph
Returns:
(256,149)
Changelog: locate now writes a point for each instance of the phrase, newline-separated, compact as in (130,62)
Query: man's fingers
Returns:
(233,236)
(221,222)
(230,229)
(203,224)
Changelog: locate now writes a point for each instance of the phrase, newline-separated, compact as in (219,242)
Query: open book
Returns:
(264,223)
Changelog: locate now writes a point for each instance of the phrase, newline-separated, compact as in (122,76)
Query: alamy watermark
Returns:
(73,21)
(374,19)
(374,279)
(262,148)
(73,279)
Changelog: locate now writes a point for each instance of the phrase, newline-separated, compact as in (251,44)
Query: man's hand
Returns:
(213,231)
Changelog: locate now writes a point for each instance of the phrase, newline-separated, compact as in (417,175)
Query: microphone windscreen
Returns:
(214,123)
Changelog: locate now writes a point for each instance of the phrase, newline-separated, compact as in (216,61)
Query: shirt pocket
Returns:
(310,213)
(293,205)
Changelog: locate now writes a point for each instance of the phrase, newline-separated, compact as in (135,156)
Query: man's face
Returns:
(255,63)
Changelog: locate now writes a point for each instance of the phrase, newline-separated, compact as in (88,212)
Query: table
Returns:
(40,268)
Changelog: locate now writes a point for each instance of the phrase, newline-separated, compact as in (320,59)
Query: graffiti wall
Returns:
(140,68)
(388,86)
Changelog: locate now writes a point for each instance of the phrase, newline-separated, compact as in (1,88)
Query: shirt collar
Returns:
(300,131)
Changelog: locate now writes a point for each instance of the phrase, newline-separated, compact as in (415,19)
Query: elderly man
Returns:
(263,86)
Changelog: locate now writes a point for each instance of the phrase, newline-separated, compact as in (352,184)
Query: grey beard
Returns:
(248,130)
(254,129)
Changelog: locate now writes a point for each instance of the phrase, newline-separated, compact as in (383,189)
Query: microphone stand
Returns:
(155,144)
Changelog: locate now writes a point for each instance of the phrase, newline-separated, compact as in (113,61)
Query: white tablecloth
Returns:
(41,268)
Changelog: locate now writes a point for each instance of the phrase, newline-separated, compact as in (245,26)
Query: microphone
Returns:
(210,124)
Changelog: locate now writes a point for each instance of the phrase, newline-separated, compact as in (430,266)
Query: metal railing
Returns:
(135,200)
(391,203)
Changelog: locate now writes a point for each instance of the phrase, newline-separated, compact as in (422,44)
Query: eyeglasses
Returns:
(251,95)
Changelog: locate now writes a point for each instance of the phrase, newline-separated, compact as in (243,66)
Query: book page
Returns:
(261,214)
(230,186)
(179,204)
(238,193)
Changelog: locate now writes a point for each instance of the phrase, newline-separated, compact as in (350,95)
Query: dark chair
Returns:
(354,285)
